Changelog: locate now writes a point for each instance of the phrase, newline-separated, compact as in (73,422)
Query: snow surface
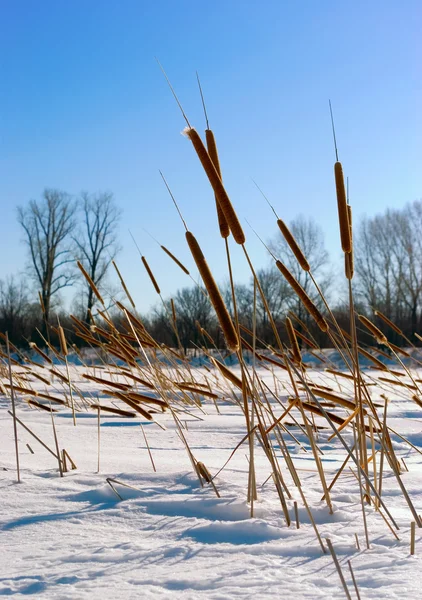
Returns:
(73,538)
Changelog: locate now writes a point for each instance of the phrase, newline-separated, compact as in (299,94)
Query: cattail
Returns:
(204,472)
(41,302)
(178,263)
(349,266)
(377,333)
(216,183)
(90,282)
(116,411)
(388,322)
(151,275)
(333,398)
(306,340)
(62,339)
(173,310)
(400,383)
(34,346)
(123,284)
(214,293)
(227,373)
(349,263)
(309,305)
(195,390)
(346,242)
(213,153)
(294,246)
(373,359)
(293,341)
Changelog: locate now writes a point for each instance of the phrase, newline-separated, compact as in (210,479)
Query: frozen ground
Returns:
(73,538)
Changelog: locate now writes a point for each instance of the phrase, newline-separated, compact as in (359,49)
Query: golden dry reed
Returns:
(346,242)
(91,283)
(217,185)
(294,246)
(151,275)
(293,341)
(213,152)
(177,261)
(214,293)
(307,302)
(377,333)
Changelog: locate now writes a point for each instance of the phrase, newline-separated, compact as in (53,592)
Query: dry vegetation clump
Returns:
(143,378)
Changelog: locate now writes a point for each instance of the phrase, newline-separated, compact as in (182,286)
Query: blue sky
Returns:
(84,106)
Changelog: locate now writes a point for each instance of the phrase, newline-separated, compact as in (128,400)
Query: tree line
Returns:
(60,229)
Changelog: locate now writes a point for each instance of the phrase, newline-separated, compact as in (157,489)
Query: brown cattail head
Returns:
(62,339)
(349,265)
(386,320)
(90,282)
(151,275)
(214,293)
(294,246)
(178,263)
(377,333)
(173,310)
(213,153)
(293,341)
(349,262)
(307,302)
(345,234)
(41,302)
(123,285)
(217,185)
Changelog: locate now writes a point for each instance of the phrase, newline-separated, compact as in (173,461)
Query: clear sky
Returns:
(84,106)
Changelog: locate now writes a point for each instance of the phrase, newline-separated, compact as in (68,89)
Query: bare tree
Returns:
(192,305)
(388,259)
(96,241)
(48,224)
(13,308)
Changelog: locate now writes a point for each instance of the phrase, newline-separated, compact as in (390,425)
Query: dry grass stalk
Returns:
(56,442)
(213,154)
(12,395)
(151,275)
(297,514)
(412,537)
(337,565)
(343,215)
(294,246)
(307,302)
(214,294)
(355,585)
(217,185)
